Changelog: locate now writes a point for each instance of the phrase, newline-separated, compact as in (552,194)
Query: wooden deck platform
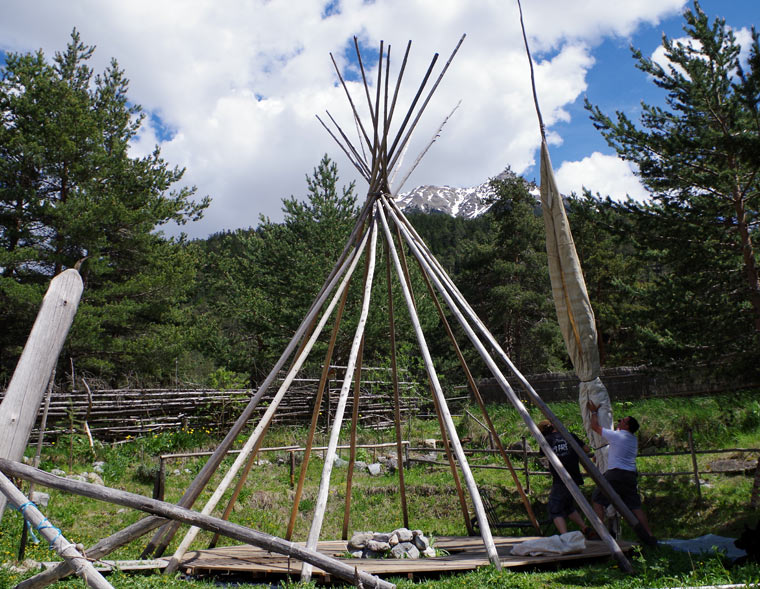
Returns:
(465,553)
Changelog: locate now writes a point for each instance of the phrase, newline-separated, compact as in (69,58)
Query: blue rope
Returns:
(43,526)
(22,509)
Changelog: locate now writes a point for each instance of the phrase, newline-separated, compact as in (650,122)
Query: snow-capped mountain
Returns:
(457,202)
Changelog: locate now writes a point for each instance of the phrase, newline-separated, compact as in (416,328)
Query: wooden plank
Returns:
(465,553)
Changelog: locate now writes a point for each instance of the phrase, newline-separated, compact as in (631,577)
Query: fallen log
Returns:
(180,514)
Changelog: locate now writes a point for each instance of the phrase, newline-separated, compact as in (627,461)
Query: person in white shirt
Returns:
(621,470)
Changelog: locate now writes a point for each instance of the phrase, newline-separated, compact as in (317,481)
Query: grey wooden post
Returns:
(22,401)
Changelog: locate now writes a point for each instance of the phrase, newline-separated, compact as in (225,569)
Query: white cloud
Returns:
(607,175)
(238,83)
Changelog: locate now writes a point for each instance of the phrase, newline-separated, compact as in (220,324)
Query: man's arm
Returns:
(594,410)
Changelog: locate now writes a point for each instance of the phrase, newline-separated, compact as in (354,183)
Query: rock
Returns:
(429,552)
(421,542)
(40,499)
(375,469)
(360,465)
(393,540)
(359,540)
(376,546)
(382,536)
(339,462)
(94,478)
(175,472)
(77,477)
(58,472)
(357,553)
(98,467)
(392,464)
(405,550)
(367,553)
(404,535)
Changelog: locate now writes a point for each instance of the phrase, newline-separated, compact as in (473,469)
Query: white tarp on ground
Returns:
(707,544)
(574,312)
(568,543)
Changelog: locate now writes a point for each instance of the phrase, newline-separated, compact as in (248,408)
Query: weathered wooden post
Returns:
(26,390)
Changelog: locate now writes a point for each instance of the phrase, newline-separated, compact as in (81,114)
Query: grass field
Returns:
(674,509)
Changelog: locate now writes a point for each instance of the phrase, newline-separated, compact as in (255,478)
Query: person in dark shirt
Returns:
(561,505)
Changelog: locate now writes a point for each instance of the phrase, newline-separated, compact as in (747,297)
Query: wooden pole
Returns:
(237,532)
(754,498)
(66,549)
(324,484)
(396,397)
(352,443)
(102,548)
(694,464)
(36,462)
(436,404)
(493,435)
(485,529)
(355,411)
(437,278)
(449,290)
(323,382)
(25,392)
(161,539)
(266,419)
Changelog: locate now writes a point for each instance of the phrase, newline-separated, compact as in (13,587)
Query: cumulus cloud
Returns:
(606,175)
(233,86)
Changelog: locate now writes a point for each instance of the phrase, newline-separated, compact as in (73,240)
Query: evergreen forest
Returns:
(673,281)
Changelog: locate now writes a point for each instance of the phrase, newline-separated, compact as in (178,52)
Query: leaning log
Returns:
(22,400)
(58,542)
(180,514)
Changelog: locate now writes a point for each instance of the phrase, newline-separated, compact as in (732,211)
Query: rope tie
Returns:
(43,526)
(22,508)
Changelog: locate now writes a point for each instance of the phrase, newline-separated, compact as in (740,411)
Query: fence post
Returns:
(753,502)
(292,468)
(525,462)
(160,483)
(694,464)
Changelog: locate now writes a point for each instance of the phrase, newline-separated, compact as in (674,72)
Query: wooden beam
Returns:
(22,400)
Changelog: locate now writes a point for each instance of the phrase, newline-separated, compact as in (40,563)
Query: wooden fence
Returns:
(116,414)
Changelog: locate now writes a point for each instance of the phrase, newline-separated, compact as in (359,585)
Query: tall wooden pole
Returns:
(265,420)
(485,530)
(324,484)
(438,276)
(396,399)
(19,408)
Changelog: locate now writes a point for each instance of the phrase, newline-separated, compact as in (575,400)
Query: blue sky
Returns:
(614,83)
(232,88)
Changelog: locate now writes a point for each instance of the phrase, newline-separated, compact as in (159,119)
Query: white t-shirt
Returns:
(622,450)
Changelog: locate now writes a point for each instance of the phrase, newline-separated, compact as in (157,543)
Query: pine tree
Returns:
(70,192)
(699,156)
